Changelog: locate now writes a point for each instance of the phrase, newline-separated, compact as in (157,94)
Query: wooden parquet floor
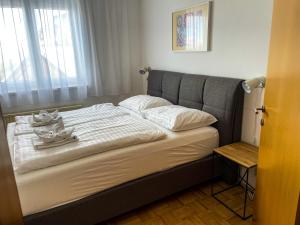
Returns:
(191,207)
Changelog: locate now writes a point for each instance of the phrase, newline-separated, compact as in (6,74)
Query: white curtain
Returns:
(117,39)
(65,50)
(42,52)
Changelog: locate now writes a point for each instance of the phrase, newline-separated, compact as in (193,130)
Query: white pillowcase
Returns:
(179,118)
(142,102)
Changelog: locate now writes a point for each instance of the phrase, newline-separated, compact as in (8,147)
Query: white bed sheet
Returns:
(50,187)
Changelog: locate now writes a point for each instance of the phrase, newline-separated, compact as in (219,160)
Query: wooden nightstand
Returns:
(246,156)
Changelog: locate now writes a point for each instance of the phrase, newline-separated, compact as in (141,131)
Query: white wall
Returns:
(240,38)
(240,44)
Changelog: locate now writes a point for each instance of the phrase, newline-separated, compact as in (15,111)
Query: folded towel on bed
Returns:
(44,118)
(57,127)
(39,144)
(44,115)
(51,136)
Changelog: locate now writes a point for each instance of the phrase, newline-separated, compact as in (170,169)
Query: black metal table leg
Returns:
(212,173)
(246,192)
(239,183)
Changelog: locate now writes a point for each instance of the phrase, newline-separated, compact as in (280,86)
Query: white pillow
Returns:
(141,102)
(179,118)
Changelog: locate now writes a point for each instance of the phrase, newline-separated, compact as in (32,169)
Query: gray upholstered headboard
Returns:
(219,96)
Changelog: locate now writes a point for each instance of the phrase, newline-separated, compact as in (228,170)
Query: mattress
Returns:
(58,185)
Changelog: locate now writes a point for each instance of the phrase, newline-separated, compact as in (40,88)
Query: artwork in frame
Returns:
(191,28)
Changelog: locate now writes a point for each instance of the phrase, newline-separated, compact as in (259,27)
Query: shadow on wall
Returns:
(251,121)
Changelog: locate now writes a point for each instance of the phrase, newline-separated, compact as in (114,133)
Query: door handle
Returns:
(261,109)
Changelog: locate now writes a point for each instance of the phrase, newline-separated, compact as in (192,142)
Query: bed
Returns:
(96,188)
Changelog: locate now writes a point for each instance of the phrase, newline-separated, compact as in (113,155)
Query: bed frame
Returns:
(221,97)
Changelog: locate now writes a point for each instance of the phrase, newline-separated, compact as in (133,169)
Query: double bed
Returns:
(100,186)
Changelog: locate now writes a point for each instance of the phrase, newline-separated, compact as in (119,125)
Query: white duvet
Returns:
(75,117)
(99,128)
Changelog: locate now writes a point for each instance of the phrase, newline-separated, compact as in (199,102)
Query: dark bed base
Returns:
(110,203)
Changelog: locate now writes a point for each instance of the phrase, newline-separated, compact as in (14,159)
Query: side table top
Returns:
(242,153)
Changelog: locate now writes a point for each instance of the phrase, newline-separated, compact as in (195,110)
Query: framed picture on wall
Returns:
(191,28)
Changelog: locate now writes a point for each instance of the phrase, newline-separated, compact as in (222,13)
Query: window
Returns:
(39,49)
(55,43)
(14,53)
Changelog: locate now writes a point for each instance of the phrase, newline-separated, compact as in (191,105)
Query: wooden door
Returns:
(10,209)
(278,182)
(298,213)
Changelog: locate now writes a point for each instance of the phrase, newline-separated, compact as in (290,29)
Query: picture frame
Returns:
(191,28)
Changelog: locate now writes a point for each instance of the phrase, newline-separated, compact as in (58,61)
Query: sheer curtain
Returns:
(117,40)
(44,52)
(66,50)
